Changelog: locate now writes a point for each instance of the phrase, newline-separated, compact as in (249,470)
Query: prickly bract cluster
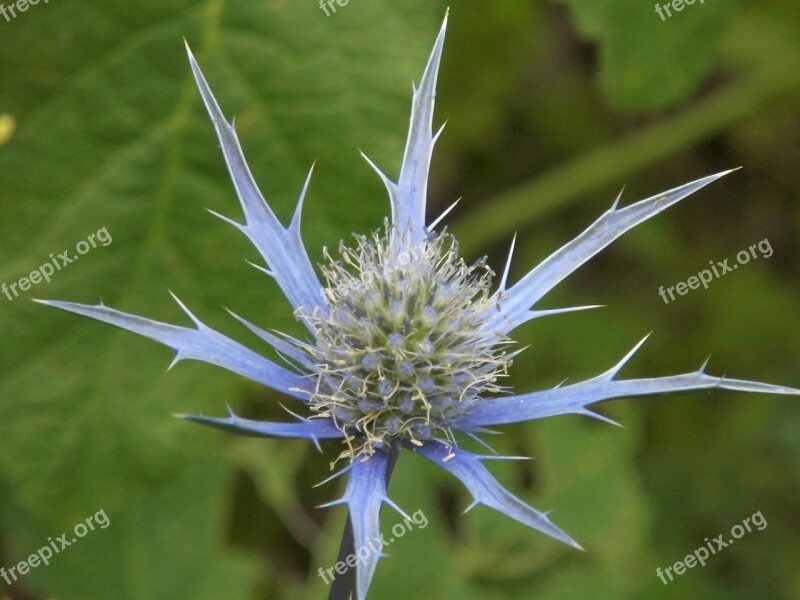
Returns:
(404,349)
(407,343)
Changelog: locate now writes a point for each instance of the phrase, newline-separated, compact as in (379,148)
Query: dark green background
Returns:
(551,108)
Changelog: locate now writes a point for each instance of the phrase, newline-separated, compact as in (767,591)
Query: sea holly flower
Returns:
(408,346)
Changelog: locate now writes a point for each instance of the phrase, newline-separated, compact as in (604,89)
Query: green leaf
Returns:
(650,62)
(140,551)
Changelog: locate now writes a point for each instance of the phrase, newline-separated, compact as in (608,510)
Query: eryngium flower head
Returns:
(403,350)
(407,342)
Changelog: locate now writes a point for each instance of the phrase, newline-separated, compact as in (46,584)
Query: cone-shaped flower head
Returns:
(404,351)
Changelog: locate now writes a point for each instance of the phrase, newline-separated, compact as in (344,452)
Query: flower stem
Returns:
(342,587)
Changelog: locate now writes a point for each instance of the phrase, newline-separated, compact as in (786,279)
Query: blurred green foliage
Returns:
(551,108)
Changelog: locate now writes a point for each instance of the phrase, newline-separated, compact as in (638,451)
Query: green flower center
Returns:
(405,349)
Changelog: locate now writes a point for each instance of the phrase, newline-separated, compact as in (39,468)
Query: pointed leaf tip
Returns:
(409,196)
(562,263)
(203,344)
(612,372)
(364,496)
(281,247)
(486,490)
(309,430)
(575,398)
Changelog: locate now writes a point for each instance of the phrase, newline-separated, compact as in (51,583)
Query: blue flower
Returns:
(408,345)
